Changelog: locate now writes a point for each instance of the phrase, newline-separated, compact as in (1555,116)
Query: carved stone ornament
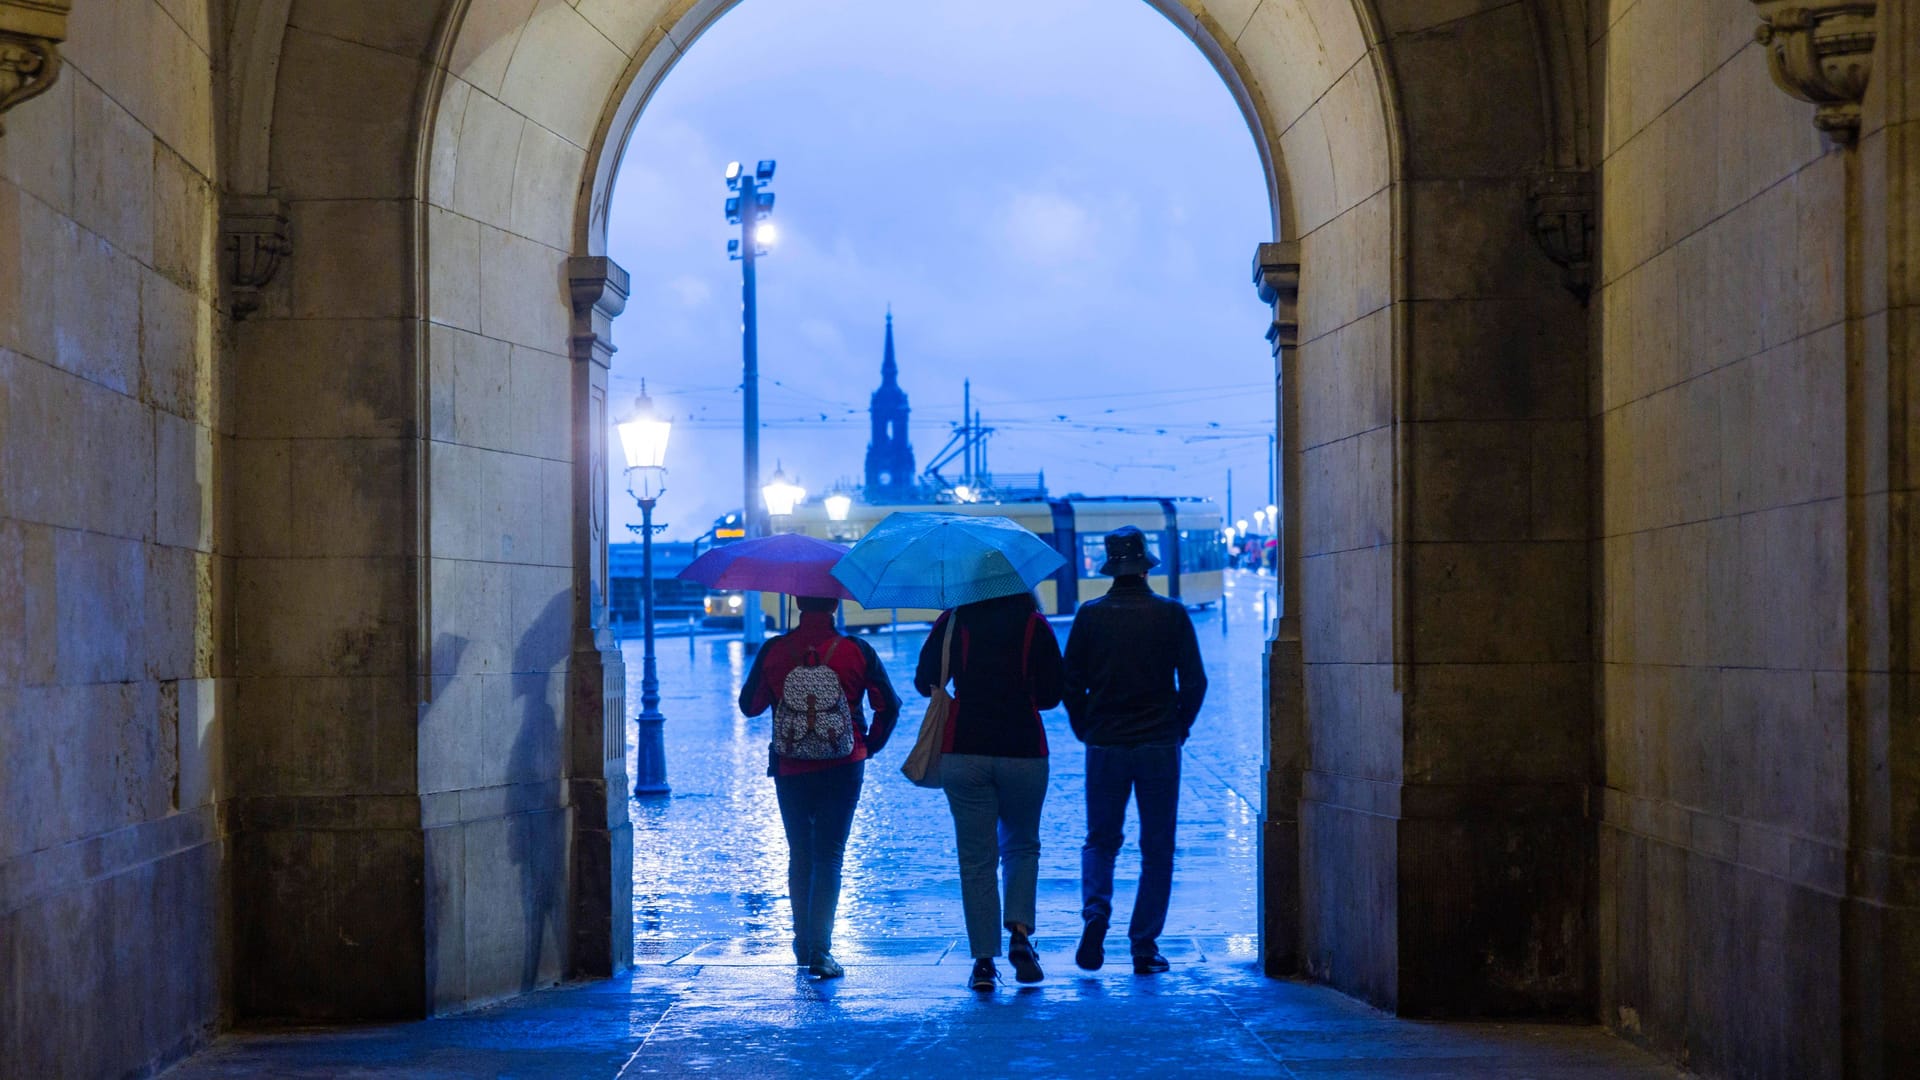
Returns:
(1821,51)
(30,35)
(254,230)
(1561,207)
(1276,274)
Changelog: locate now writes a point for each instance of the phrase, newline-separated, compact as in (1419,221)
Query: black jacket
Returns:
(996,712)
(1123,656)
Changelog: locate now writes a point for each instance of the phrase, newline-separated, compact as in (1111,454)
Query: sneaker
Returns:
(985,976)
(1150,963)
(1026,962)
(825,966)
(1092,952)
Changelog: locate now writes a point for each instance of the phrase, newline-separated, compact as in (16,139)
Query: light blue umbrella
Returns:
(919,559)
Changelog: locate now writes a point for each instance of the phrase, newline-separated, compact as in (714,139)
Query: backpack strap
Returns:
(827,657)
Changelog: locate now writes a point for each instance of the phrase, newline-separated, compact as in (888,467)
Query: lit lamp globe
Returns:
(839,505)
(644,441)
(1273,514)
(1242,526)
(782,495)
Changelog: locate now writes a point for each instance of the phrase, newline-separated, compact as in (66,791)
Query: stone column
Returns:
(1276,273)
(602,861)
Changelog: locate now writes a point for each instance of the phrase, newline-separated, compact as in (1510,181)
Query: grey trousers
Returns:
(996,820)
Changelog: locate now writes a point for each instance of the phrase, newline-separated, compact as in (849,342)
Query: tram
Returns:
(1184,534)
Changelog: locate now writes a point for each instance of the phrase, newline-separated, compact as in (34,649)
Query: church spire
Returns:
(889,371)
(890,475)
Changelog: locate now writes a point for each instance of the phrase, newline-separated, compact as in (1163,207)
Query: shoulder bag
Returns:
(923,764)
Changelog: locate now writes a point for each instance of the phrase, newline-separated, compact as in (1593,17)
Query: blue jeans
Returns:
(817,810)
(996,820)
(1151,774)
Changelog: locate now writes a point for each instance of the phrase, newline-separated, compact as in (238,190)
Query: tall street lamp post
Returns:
(749,207)
(644,439)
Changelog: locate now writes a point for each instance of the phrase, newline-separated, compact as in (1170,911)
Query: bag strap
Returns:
(946,650)
(827,657)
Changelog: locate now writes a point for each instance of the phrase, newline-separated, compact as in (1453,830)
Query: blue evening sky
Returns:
(1059,198)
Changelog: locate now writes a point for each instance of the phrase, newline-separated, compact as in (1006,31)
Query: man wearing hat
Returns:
(1134,685)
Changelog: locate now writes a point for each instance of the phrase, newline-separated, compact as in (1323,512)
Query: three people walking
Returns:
(1132,682)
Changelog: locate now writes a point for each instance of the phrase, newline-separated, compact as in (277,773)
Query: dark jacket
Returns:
(1123,656)
(861,676)
(996,711)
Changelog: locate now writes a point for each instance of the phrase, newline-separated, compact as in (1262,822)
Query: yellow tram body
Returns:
(1185,534)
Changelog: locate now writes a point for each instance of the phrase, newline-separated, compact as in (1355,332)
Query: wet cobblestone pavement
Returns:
(715,994)
(710,860)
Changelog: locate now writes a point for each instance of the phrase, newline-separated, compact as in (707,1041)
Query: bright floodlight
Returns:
(644,438)
(733,170)
(765,233)
(963,493)
(839,506)
(782,494)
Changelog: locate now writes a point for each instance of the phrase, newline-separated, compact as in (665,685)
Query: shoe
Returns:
(1026,962)
(985,976)
(1150,964)
(1092,952)
(825,966)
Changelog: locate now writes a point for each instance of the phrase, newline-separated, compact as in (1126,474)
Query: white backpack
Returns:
(812,720)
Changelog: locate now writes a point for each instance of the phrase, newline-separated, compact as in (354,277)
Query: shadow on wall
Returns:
(536,833)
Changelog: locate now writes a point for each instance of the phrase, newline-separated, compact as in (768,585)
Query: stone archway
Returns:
(489,96)
(1422,624)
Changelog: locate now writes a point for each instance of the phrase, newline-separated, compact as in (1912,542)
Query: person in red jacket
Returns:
(817,796)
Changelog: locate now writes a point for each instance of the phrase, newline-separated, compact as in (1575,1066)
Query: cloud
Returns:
(690,291)
(1047,229)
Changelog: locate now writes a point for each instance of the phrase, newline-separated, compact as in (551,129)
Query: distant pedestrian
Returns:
(1006,668)
(1134,684)
(814,679)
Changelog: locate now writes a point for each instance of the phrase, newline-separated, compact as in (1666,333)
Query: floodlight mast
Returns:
(748,207)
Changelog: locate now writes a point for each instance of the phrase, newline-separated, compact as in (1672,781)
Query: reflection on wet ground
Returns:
(710,860)
(716,993)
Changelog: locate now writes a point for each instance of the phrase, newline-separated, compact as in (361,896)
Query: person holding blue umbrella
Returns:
(1006,670)
(1004,663)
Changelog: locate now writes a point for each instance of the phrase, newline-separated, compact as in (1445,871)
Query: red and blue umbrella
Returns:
(790,563)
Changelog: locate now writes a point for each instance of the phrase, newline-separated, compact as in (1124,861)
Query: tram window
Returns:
(1201,550)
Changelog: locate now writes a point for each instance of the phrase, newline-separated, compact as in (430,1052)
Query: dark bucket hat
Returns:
(1127,553)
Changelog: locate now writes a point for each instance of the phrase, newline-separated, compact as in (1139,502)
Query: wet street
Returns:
(714,992)
(710,860)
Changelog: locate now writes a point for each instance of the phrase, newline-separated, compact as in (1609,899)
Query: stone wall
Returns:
(1491,473)
(114,553)
(329,855)
(504,179)
(1743,573)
